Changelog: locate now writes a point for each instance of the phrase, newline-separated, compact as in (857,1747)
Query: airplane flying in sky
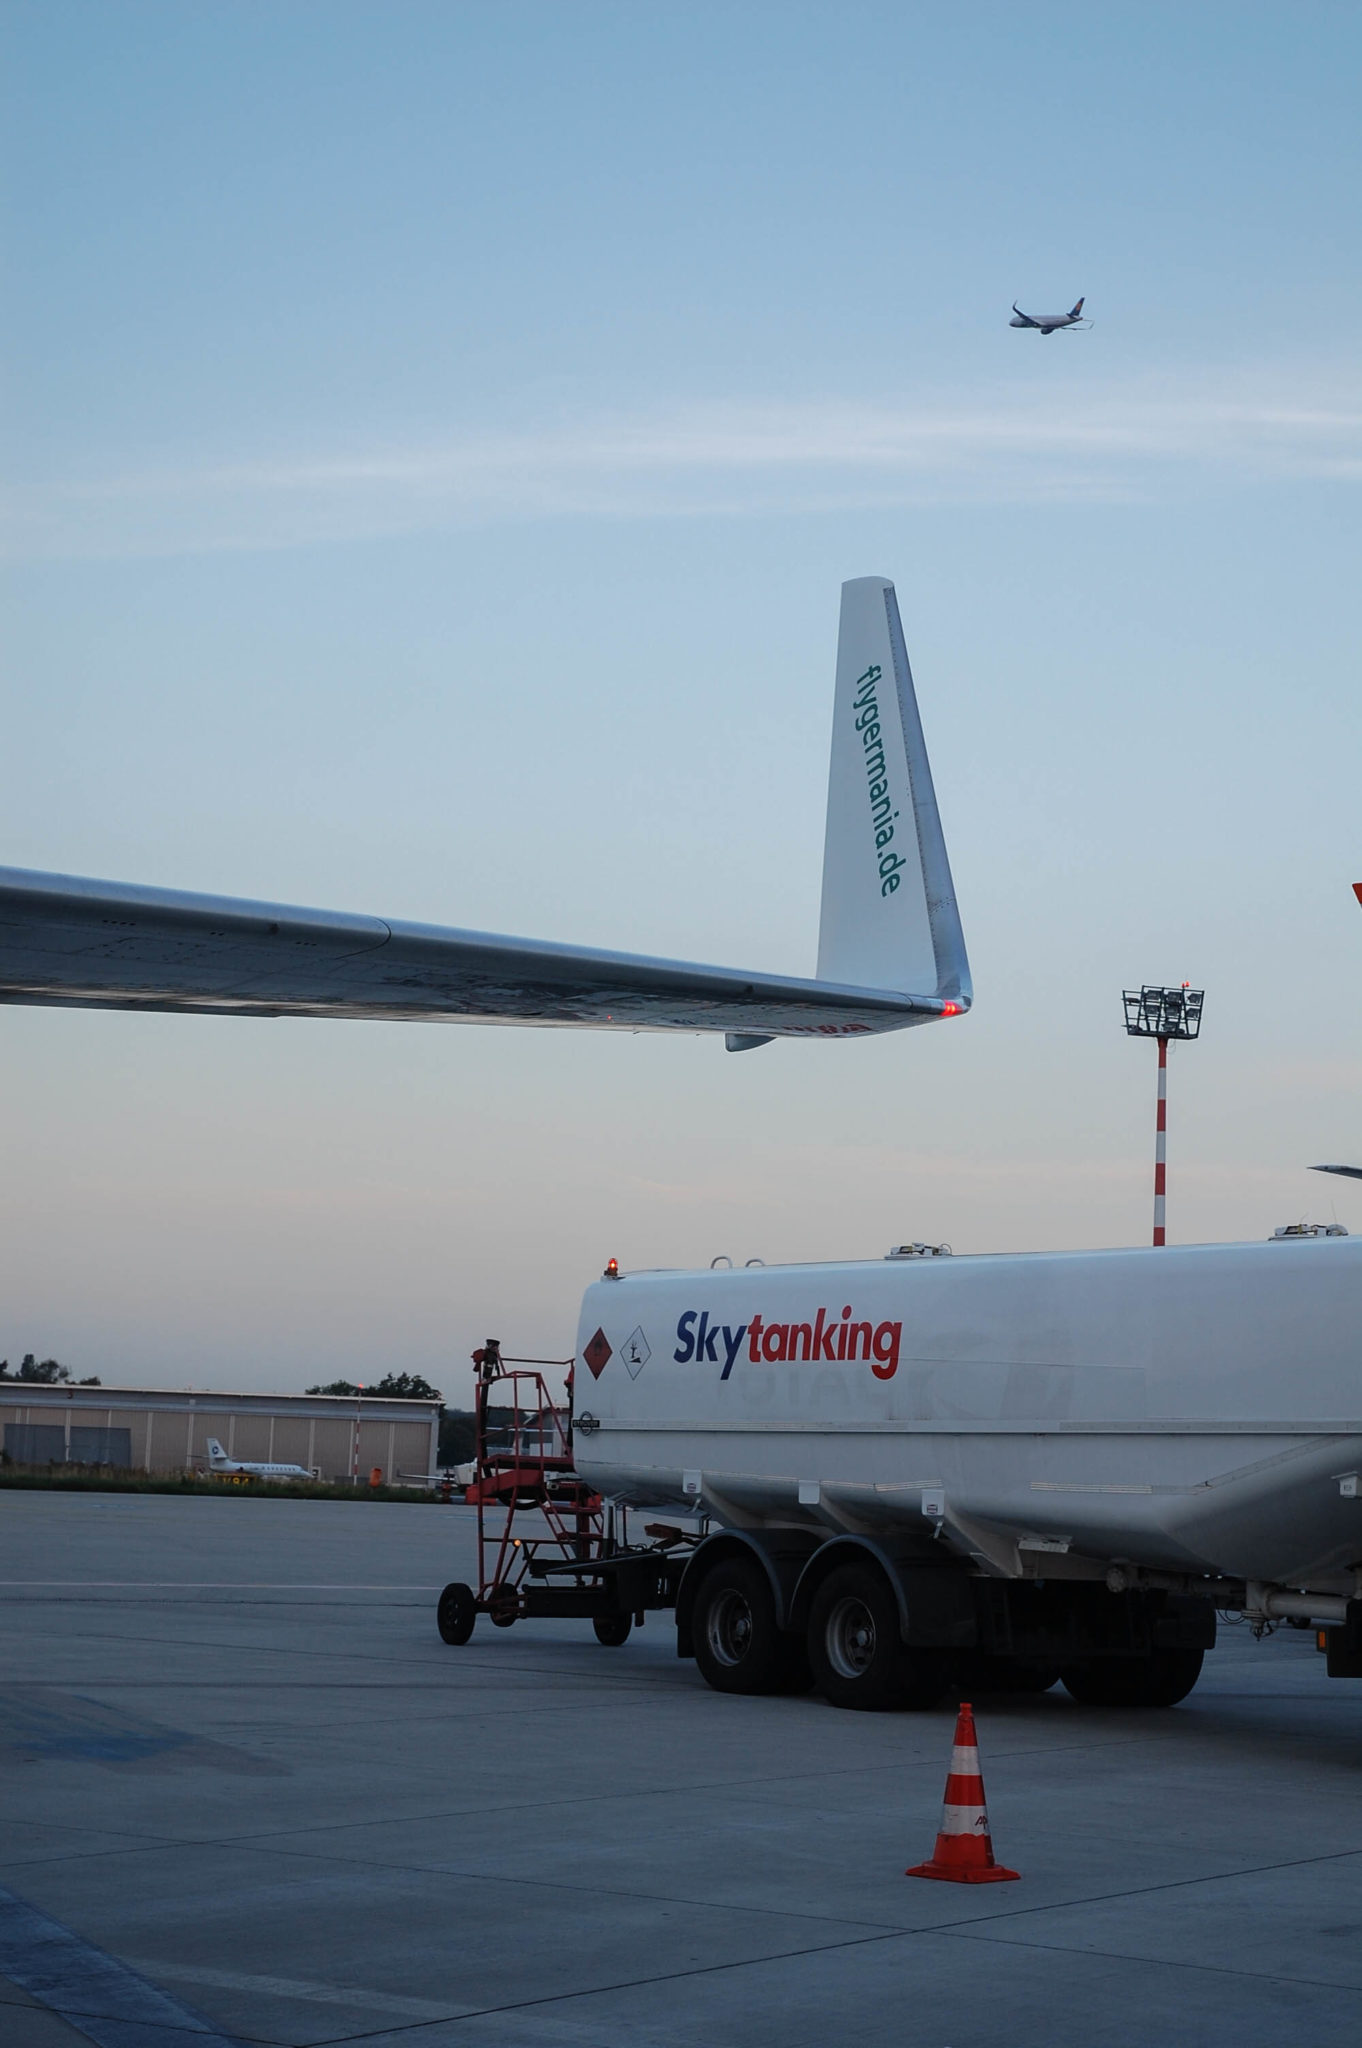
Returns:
(1049,323)
(891,952)
(218,1461)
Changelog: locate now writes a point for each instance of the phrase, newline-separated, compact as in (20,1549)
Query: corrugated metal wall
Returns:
(136,1430)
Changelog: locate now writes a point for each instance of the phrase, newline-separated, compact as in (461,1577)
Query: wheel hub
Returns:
(851,1638)
(728,1630)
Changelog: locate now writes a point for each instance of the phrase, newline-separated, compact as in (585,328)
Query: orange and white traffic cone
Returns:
(964,1849)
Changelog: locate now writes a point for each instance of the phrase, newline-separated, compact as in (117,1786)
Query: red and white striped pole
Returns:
(1161,1144)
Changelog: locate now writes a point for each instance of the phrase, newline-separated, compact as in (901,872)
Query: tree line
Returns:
(457,1429)
(44,1372)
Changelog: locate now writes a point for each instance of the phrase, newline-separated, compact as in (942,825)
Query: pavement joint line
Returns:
(731,1906)
(486,2012)
(956,1927)
(186,1642)
(962,1928)
(632,1793)
(604,1990)
(1116,1955)
(1143,1891)
(624,1680)
(255,1686)
(636,1688)
(728,1907)
(275,1685)
(750,1962)
(78,1856)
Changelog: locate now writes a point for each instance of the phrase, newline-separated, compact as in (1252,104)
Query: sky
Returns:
(434,436)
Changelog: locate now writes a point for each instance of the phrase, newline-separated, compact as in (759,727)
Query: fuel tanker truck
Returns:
(1013,1468)
(1004,1471)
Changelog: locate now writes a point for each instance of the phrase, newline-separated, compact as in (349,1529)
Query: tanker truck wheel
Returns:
(612,1629)
(456,1613)
(856,1651)
(1159,1680)
(738,1646)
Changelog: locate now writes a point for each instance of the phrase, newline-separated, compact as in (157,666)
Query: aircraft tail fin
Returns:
(215,1451)
(889,916)
(1076,311)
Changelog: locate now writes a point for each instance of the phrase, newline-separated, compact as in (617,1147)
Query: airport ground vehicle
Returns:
(548,1545)
(1005,1470)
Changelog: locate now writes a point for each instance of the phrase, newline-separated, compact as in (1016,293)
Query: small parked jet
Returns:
(1049,323)
(218,1461)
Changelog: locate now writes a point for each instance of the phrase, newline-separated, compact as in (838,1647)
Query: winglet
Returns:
(1357,891)
(889,915)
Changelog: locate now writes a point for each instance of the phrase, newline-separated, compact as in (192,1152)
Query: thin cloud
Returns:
(717,459)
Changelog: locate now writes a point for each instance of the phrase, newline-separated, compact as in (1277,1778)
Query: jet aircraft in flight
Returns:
(1049,323)
(891,952)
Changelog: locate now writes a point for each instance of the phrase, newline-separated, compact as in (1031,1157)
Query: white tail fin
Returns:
(215,1451)
(889,918)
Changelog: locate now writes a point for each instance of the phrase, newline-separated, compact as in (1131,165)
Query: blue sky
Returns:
(434,438)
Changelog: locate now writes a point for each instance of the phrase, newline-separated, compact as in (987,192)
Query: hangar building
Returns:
(151,1430)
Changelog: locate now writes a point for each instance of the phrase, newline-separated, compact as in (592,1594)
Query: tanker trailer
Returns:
(998,1469)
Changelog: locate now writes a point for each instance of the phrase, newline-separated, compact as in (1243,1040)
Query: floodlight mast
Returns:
(1162,1013)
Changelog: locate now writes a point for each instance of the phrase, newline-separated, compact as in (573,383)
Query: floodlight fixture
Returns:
(1162,1013)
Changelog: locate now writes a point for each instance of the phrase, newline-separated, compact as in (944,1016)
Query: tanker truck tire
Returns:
(856,1652)
(738,1645)
(456,1613)
(1159,1680)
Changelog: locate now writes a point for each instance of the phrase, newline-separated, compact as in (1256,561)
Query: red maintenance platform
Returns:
(548,1546)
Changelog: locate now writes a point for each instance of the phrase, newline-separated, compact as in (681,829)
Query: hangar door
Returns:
(45,1443)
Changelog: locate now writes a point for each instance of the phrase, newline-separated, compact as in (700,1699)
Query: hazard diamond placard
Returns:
(597,1354)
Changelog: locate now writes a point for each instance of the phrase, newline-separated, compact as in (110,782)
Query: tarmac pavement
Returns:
(247,1794)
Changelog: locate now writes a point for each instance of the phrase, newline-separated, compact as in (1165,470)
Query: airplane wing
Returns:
(891,950)
(1025,318)
(1352,1172)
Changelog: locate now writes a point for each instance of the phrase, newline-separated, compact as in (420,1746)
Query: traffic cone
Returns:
(964,1849)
